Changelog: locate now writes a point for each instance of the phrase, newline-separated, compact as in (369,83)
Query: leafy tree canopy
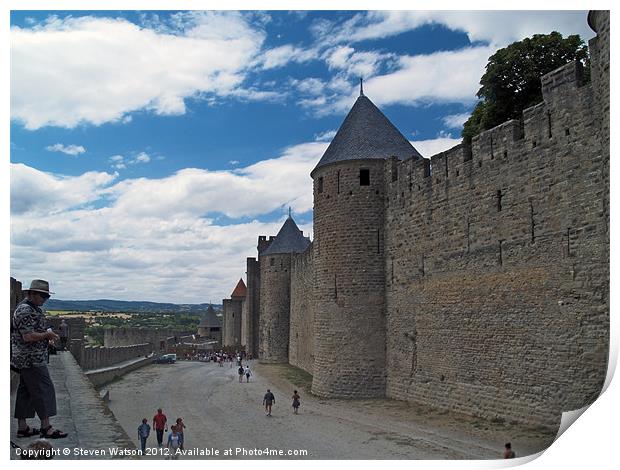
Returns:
(511,82)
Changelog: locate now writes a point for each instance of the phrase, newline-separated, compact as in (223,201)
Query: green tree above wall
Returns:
(511,82)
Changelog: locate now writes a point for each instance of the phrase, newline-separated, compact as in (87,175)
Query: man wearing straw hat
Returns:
(29,340)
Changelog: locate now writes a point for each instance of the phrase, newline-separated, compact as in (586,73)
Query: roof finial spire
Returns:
(361,86)
(289,211)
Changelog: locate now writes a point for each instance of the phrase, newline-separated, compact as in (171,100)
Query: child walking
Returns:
(296,403)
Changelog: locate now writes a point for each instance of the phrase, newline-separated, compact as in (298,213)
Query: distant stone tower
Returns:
(349,201)
(275,288)
(232,310)
(210,326)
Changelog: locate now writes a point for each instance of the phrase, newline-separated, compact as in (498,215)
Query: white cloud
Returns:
(68,149)
(326,136)
(455,121)
(355,64)
(256,189)
(311,86)
(95,70)
(282,55)
(443,76)
(38,192)
(430,147)
(447,76)
(142,157)
(497,28)
(152,232)
(120,162)
(252,94)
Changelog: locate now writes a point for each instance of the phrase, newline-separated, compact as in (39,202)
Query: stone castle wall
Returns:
(475,281)
(275,304)
(497,292)
(302,311)
(127,336)
(16,295)
(96,357)
(252,302)
(245,321)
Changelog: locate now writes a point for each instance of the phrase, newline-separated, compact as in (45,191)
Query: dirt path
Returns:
(222,414)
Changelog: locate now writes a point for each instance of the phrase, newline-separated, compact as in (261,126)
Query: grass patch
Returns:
(295,375)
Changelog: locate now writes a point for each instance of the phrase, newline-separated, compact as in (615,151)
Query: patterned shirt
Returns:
(28,318)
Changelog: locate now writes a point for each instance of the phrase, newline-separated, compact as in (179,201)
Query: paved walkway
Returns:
(223,415)
(91,426)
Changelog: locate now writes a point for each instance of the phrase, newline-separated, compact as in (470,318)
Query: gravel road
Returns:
(225,416)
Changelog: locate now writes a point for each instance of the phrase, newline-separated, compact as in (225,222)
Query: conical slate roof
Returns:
(367,134)
(240,290)
(210,319)
(288,240)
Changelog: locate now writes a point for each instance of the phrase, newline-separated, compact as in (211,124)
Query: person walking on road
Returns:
(180,425)
(241,371)
(268,400)
(30,337)
(159,424)
(296,403)
(173,443)
(143,433)
(248,372)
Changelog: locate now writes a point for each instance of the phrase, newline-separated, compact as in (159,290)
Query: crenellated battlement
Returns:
(562,80)
(543,127)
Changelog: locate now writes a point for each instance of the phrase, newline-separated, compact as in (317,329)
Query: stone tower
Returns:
(349,211)
(275,288)
(210,325)
(232,310)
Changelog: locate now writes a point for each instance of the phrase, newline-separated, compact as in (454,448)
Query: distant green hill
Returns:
(105,305)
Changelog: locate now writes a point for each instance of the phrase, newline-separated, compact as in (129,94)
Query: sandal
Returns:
(57,434)
(28,432)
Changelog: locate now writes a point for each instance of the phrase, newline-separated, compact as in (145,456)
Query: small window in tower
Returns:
(320,185)
(364,177)
(272,261)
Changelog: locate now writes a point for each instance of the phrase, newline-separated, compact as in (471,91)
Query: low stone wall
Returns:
(89,357)
(105,375)
(127,336)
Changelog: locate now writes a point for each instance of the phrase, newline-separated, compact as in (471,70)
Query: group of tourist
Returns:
(244,371)
(176,436)
(269,400)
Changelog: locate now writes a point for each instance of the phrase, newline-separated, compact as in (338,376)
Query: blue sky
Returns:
(149,149)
